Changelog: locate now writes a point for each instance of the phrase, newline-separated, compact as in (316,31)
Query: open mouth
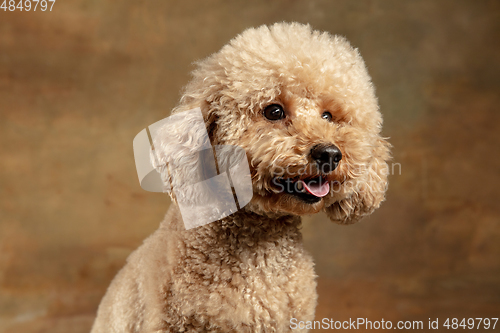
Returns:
(309,190)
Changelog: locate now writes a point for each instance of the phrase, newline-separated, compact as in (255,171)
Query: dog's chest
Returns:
(256,289)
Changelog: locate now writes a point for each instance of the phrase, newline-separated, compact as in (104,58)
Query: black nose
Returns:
(327,157)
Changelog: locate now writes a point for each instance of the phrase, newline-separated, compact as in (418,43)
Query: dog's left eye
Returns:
(327,116)
(274,112)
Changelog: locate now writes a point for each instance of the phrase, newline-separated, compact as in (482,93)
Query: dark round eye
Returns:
(327,115)
(274,112)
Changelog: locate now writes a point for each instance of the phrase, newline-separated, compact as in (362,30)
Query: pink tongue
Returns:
(317,189)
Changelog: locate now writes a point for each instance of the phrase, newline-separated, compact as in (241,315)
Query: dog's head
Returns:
(302,106)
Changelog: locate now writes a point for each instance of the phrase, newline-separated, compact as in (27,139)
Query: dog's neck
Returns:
(241,230)
(252,227)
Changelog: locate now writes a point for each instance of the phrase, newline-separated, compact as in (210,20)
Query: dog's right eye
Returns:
(274,112)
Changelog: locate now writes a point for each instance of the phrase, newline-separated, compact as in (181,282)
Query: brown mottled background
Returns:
(78,83)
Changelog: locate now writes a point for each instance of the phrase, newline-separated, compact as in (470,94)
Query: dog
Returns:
(301,104)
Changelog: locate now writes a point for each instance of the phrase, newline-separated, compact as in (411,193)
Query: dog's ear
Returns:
(200,177)
(211,125)
(178,141)
(368,190)
(209,114)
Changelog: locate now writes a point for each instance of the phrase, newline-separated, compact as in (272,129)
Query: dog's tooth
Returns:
(300,186)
